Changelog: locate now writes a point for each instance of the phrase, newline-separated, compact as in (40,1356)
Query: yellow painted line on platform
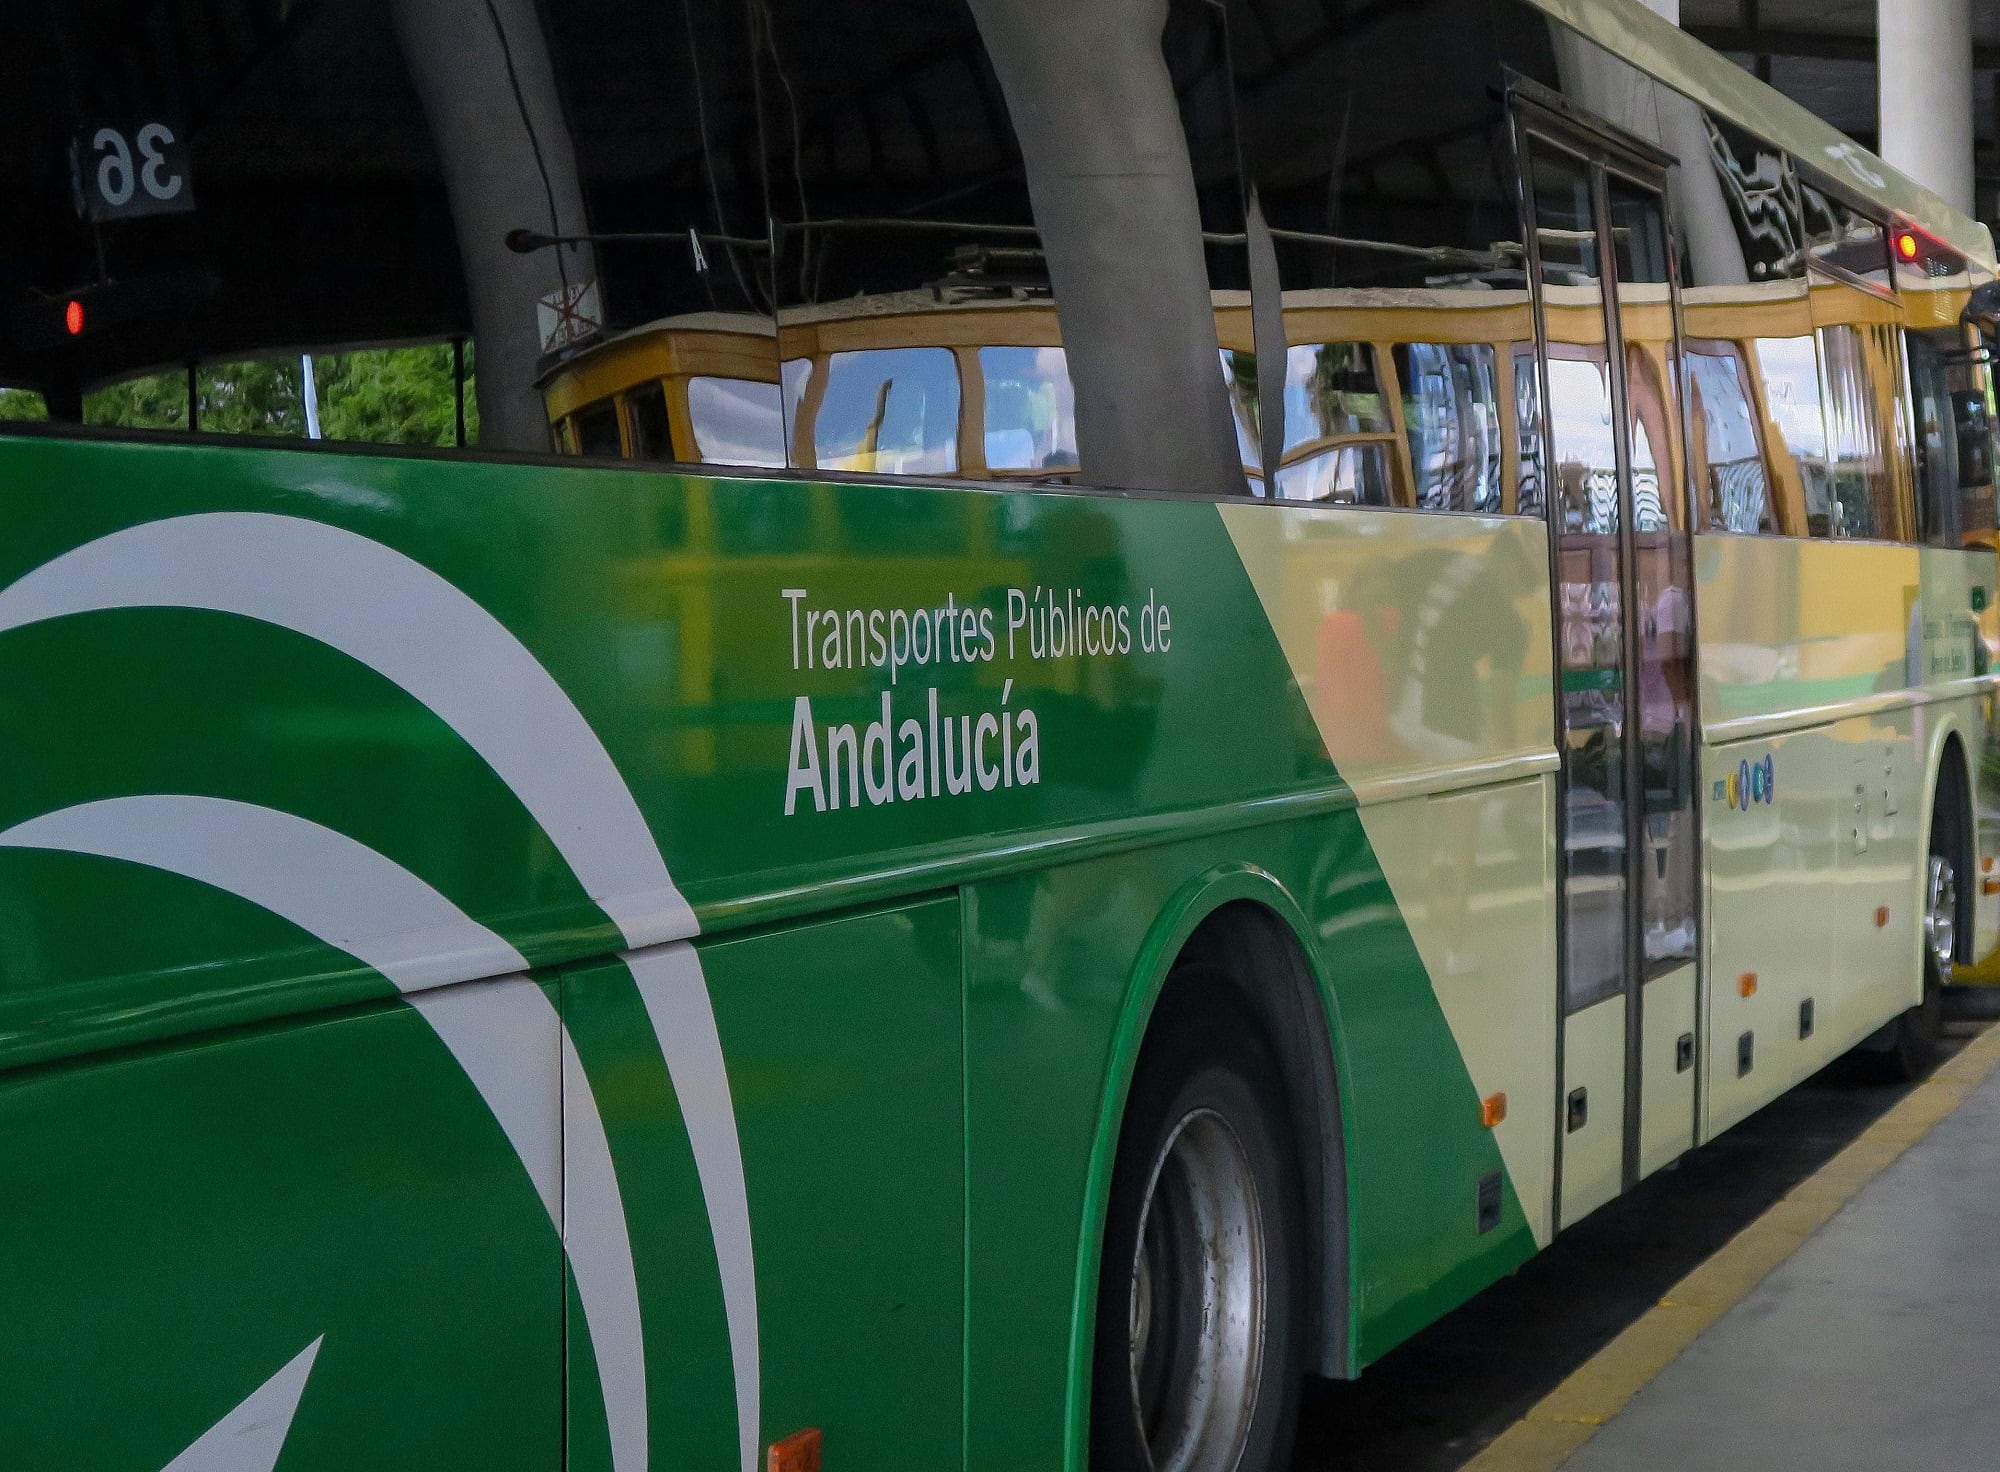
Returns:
(1600,1388)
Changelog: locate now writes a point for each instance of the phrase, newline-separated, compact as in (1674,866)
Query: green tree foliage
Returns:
(22,403)
(157,401)
(394,396)
(384,396)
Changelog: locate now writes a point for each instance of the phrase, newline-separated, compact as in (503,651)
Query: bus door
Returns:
(1623,617)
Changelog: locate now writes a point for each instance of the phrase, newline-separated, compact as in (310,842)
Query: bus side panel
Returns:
(842,1044)
(1795,625)
(1811,816)
(313,1236)
(1049,955)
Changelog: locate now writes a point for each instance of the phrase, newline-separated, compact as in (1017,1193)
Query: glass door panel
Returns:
(1624,632)
(1587,466)
(1663,1031)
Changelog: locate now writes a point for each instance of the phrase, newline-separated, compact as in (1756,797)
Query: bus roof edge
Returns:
(1669,54)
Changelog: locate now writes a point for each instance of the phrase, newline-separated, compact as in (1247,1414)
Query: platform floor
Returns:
(1872,1345)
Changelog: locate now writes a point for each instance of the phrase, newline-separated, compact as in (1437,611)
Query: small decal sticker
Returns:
(1751,782)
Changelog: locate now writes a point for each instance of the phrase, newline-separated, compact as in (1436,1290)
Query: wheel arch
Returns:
(1240,908)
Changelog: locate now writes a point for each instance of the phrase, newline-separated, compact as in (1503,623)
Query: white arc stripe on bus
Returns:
(252,1437)
(423,634)
(355,900)
(675,992)
(414,629)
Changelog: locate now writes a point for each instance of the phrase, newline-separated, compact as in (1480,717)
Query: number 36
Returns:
(116,177)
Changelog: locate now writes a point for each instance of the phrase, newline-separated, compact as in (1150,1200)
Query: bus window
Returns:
(1955,496)
(1338,433)
(148,401)
(1451,417)
(1729,473)
(1863,483)
(383,396)
(737,422)
(1586,469)
(1844,239)
(1789,369)
(646,417)
(905,232)
(351,212)
(596,429)
(1377,163)
(1030,409)
(889,411)
(1530,496)
(22,403)
(1246,412)
(1348,475)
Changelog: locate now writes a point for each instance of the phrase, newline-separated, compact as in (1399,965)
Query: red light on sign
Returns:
(73,318)
(1906,245)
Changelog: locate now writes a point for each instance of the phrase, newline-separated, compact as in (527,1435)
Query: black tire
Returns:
(1917,1045)
(1207,1087)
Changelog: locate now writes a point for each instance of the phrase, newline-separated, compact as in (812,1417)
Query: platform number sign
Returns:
(123,171)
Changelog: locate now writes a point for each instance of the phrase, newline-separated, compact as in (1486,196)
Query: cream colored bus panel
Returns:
(1593,1153)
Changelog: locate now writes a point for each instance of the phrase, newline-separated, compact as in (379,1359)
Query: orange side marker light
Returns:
(798,1452)
(1906,245)
(1492,1109)
(1881,916)
(1746,984)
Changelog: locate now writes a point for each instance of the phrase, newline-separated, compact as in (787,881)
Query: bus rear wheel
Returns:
(1197,1357)
(1919,1039)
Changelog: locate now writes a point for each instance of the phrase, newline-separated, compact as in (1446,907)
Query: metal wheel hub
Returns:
(1941,914)
(1198,1300)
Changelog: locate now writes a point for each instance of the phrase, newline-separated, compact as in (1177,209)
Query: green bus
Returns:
(751,735)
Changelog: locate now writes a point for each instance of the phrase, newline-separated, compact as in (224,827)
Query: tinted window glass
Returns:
(1789,370)
(1760,194)
(1380,155)
(1843,237)
(1199,65)
(1332,389)
(352,174)
(737,421)
(1739,254)
(905,227)
(1954,437)
(646,416)
(1451,416)
(399,396)
(1728,448)
(1590,577)
(1863,457)
(1030,409)
(887,411)
(22,403)
(1246,408)
(596,430)
(1348,475)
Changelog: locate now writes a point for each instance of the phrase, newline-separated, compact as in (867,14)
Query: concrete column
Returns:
(1114,198)
(1925,51)
(495,183)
